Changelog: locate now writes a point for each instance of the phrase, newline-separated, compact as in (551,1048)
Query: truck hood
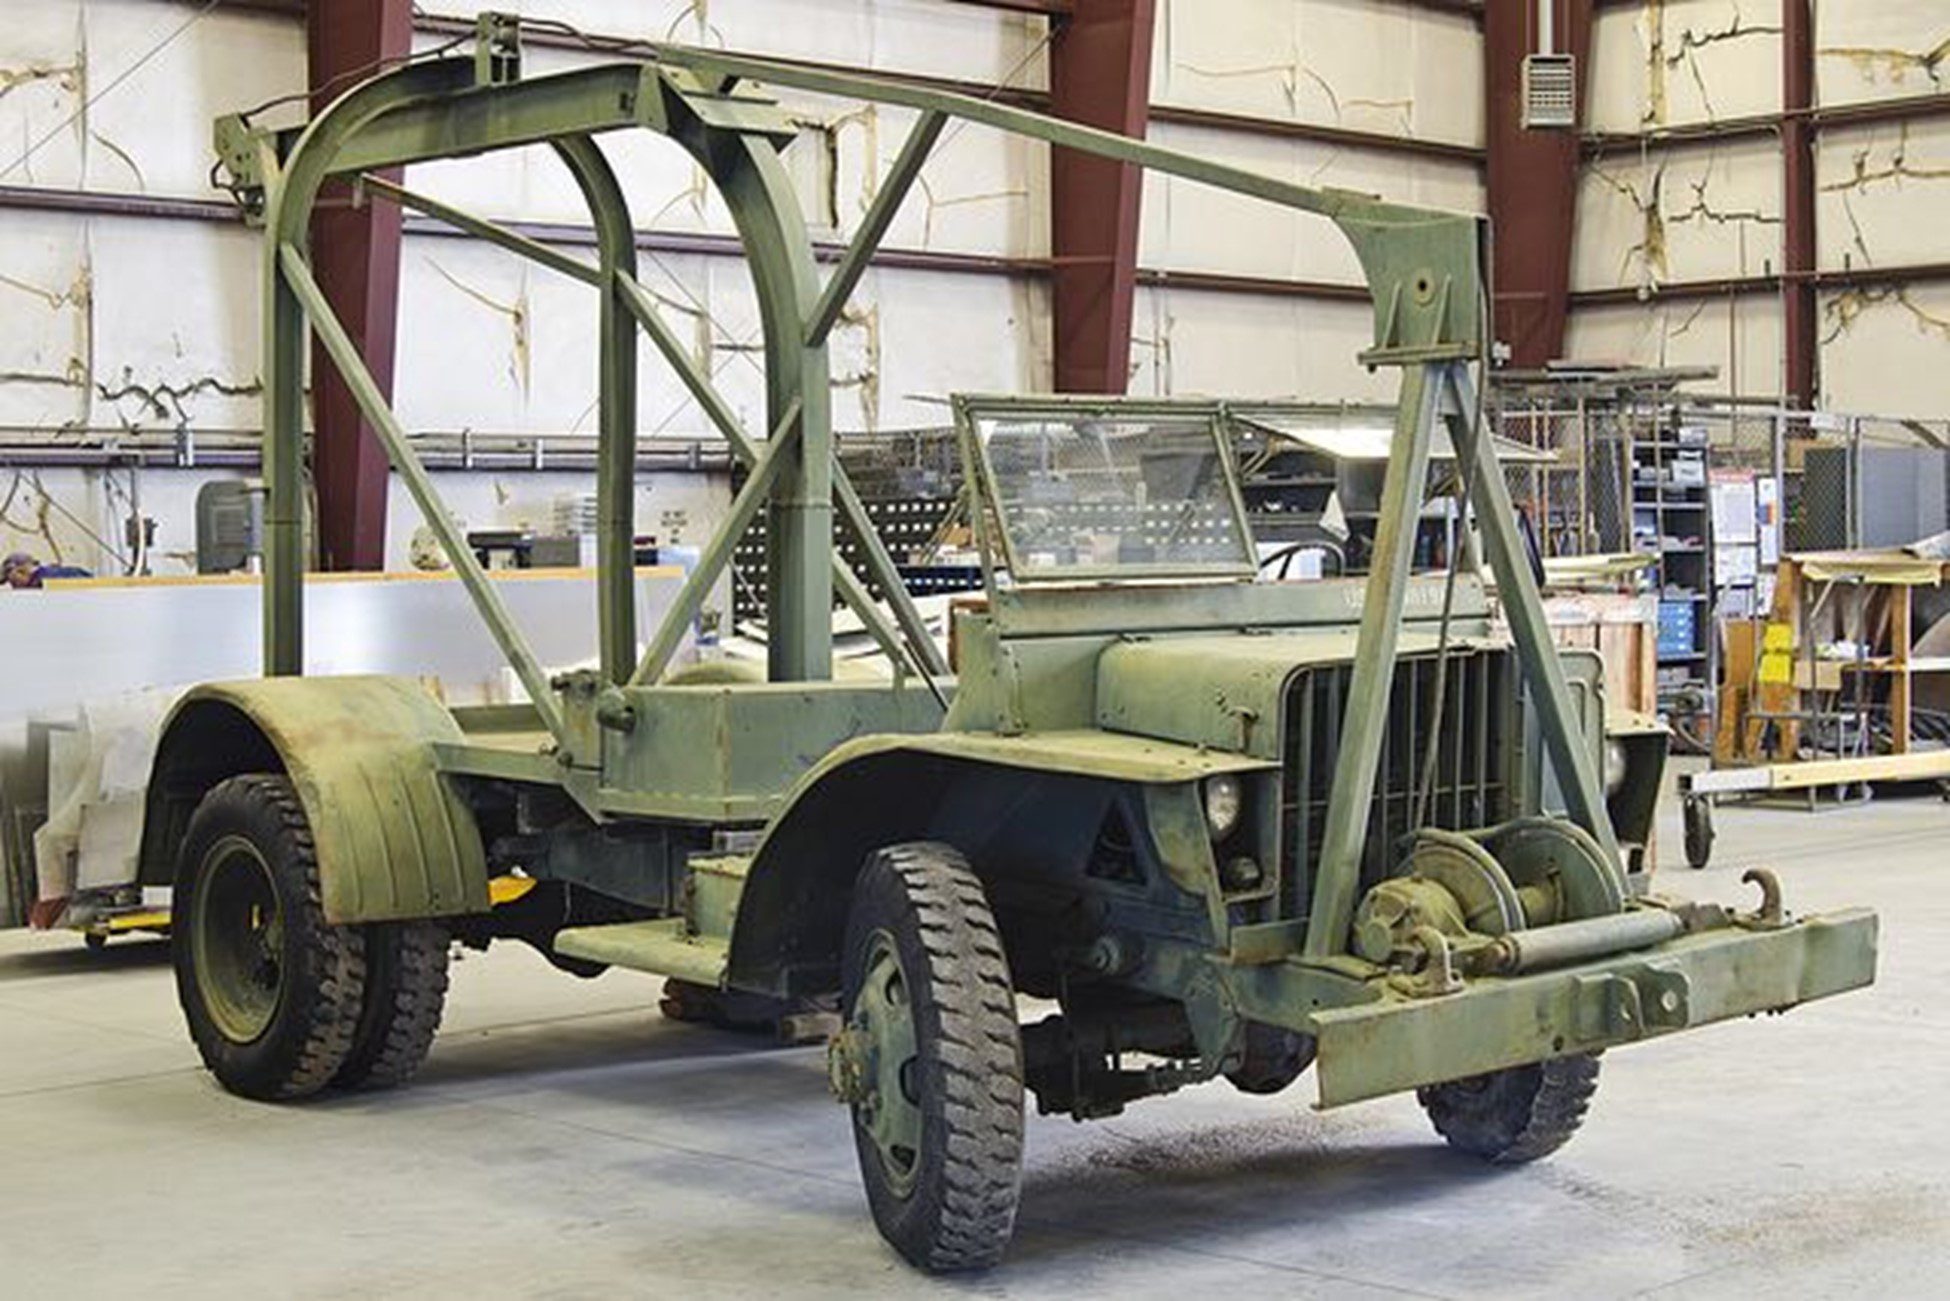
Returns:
(1224,691)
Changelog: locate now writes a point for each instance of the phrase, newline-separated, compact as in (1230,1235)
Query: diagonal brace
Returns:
(893,191)
(372,403)
(718,552)
(1337,877)
(1523,609)
(513,241)
(879,564)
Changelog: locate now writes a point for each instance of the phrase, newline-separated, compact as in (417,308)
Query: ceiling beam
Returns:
(1533,184)
(1047,8)
(1760,126)
(356,256)
(684,243)
(1100,76)
(1827,281)
(1801,318)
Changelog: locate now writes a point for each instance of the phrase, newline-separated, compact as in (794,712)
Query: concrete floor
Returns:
(565,1140)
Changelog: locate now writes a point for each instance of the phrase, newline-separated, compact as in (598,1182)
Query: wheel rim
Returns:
(237,939)
(890,1113)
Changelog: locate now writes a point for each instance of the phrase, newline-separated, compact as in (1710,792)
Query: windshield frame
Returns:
(991,523)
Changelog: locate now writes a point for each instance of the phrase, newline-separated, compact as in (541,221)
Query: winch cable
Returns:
(1465,482)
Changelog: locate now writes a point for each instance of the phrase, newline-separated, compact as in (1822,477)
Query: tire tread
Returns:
(1536,1109)
(972,997)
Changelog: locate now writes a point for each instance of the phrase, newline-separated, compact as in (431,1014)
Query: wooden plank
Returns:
(1924,766)
(1738,664)
(1929,765)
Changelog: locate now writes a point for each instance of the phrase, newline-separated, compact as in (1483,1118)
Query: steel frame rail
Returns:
(1424,270)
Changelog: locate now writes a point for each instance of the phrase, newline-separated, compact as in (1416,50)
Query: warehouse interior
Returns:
(968,565)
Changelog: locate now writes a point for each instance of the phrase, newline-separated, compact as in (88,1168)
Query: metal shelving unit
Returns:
(1672,520)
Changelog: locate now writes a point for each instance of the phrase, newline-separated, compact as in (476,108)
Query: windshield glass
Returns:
(1107,495)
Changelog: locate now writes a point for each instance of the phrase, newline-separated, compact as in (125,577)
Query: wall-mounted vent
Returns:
(1550,92)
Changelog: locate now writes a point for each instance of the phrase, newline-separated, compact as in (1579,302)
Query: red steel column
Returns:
(356,255)
(1533,182)
(1100,75)
(1798,252)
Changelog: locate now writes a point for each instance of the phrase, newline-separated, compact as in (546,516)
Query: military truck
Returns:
(1218,826)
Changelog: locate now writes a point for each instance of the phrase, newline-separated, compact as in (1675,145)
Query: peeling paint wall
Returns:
(111,323)
(1368,65)
(1673,212)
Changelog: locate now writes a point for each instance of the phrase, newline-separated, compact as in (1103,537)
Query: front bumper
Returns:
(1400,1043)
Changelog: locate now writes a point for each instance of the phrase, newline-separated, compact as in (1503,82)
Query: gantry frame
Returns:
(1425,270)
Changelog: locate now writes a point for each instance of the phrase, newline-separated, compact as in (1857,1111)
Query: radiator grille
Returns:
(1479,716)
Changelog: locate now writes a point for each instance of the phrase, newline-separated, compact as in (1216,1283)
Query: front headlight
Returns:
(1615,764)
(1225,796)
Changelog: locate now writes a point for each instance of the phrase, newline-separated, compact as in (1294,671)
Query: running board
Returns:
(663,947)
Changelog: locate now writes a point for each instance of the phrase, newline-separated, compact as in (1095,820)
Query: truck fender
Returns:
(395,838)
(953,787)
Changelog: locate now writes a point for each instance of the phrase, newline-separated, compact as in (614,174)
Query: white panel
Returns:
(151,134)
(1254,346)
(176,325)
(1188,226)
(117,323)
(1881,192)
(1879,50)
(1677,215)
(1677,61)
(937,333)
(153,78)
(1743,338)
(922,36)
(106,640)
(45,283)
(1887,351)
(46,78)
(58,515)
(1361,64)
(490,344)
(982,192)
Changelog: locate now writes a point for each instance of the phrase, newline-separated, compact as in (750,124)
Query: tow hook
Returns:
(1770,916)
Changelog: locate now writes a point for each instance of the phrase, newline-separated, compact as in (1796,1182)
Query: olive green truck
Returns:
(1217,826)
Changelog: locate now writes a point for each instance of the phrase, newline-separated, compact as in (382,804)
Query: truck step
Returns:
(661,946)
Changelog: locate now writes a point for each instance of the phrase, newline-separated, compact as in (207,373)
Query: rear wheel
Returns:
(406,992)
(930,1059)
(1510,1117)
(271,990)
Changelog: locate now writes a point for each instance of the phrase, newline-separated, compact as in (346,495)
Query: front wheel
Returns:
(930,1059)
(271,990)
(1517,1115)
